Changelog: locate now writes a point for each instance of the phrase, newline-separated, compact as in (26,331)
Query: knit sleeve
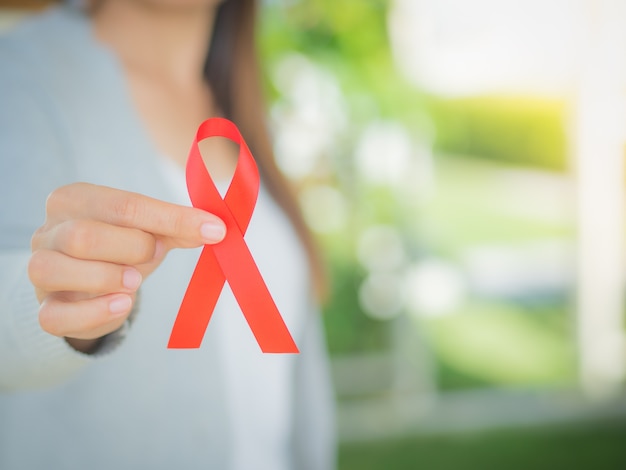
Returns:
(34,159)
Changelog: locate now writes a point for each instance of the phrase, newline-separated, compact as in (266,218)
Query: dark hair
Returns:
(232,71)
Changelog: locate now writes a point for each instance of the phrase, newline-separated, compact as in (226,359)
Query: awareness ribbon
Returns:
(229,260)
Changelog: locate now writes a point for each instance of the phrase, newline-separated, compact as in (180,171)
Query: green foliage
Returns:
(348,329)
(341,28)
(519,130)
(349,38)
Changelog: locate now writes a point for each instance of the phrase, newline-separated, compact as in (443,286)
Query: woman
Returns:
(99,107)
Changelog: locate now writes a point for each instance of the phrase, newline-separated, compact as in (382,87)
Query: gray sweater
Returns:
(66,116)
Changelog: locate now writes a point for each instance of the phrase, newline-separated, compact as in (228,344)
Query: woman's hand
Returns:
(93,251)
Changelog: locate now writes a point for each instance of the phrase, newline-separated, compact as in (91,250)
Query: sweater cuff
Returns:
(30,356)
(28,334)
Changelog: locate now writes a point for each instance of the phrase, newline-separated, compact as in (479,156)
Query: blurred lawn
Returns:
(592,447)
(480,202)
(483,342)
(503,345)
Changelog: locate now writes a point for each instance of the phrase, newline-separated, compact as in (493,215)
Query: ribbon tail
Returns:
(253,296)
(198,303)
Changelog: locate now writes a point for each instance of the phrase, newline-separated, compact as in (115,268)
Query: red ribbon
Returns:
(230,259)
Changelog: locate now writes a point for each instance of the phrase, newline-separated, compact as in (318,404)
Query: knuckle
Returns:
(50,320)
(145,249)
(37,238)
(176,221)
(53,201)
(128,210)
(104,279)
(38,267)
(78,239)
(58,198)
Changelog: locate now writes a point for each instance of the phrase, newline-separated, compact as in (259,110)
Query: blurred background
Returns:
(462,163)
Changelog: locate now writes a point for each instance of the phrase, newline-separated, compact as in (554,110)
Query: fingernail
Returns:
(120,305)
(213,232)
(131,279)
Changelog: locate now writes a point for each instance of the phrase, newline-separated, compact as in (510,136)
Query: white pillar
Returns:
(598,155)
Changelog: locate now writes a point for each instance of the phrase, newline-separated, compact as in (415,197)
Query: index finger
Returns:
(187,226)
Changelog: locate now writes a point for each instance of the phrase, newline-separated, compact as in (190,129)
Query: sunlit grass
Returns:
(482,202)
(528,131)
(499,343)
(503,344)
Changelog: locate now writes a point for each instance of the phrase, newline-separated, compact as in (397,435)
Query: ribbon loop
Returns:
(230,260)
